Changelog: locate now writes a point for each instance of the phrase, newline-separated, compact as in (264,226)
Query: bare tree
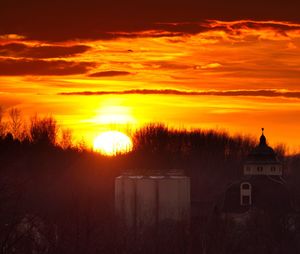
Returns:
(2,123)
(81,145)
(66,139)
(43,130)
(16,126)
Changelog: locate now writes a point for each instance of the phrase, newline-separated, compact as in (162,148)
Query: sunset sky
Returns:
(100,65)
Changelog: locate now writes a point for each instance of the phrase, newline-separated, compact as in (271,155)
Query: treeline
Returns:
(43,131)
(58,197)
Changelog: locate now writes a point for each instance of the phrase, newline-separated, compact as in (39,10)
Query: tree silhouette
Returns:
(16,123)
(3,126)
(43,131)
(66,139)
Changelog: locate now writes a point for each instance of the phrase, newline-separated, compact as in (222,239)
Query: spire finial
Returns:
(263,140)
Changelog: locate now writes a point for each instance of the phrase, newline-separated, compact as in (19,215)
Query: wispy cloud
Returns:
(108,74)
(12,67)
(264,93)
(102,19)
(50,51)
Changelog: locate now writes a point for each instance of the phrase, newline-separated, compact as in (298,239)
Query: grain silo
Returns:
(148,201)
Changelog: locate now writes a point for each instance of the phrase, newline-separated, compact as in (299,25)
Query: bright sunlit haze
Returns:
(112,143)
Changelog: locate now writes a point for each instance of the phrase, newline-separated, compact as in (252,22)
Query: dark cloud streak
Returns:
(22,50)
(109,74)
(50,20)
(10,67)
(264,93)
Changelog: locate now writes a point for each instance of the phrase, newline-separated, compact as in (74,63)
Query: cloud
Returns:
(254,24)
(153,33)
(264,93)
(106,19)
(10,67)
(166,65)
(109,74)
(209,66)
(23,50)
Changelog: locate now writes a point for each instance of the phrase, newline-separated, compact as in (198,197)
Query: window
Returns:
(246,200)
(260,169)
(245,186)
(248,168)
(245,194)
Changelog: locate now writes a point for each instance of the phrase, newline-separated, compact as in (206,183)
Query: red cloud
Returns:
(264,93)
(22,50)
(91,19)
(109,74)
(11,67)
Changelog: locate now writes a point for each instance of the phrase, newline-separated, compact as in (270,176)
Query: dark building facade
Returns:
(262,186)
(256,213)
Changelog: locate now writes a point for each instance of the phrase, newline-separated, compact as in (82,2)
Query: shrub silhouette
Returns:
(43,131)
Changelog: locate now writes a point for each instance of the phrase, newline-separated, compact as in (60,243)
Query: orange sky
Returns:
(237,76)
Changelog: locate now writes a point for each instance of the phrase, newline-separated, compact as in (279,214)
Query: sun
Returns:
(112,143)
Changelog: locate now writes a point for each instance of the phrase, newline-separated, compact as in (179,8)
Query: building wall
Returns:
(263,169)
(125,199)
(143,201)
(174,198)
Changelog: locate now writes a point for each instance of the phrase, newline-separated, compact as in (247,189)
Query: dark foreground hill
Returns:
(60,199)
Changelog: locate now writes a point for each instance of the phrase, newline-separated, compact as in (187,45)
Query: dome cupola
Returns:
(262,160)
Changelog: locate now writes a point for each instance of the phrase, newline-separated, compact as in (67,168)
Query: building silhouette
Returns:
(262,186)
(148,201)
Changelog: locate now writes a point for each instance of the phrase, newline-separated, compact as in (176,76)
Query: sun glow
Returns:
(74,78)
(112,143)
(112,113)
